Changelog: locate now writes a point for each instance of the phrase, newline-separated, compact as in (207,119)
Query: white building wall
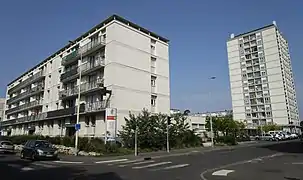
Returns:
(127,73)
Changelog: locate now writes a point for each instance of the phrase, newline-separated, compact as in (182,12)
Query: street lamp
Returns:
(78,102)
(167,133)
(211,119)
(136,140)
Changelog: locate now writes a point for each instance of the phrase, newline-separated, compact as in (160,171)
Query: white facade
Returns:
(261,78)
(122,66)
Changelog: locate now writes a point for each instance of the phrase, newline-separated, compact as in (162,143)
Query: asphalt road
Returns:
(276,161)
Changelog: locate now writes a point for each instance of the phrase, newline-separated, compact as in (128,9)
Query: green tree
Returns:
(269,127)
(152,129)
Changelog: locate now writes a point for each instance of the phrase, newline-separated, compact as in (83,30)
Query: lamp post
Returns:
(211,120)
(167,133)
(78,104)
(136,140)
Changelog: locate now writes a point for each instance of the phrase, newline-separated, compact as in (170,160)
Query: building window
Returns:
(153,41)
(153,81)
(153,48)
(153,100)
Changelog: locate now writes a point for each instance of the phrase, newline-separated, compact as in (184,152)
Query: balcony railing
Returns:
(29,80)
(88,67)
(24,106)
(61,112)
(69,74)
(69,58)
(24,119)
(25,94)
(68,92)
(96,106)
(86,49)
(88,86)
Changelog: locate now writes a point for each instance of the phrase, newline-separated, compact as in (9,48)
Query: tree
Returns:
(269,127)
(225,125)
(152,129)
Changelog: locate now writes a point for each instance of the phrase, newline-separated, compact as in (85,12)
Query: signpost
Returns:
(77,127)
(110,123)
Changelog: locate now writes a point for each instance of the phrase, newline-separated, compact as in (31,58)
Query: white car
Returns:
(279,137)
(294,136)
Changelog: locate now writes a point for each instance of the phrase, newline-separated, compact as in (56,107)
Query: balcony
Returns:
(69,75)
(25,119)
(31,92)
(96,106)
(92,86)
(61,112)
(85,50)
(68,93)
(72,57)
(24,107)
(30,80)
(90,67)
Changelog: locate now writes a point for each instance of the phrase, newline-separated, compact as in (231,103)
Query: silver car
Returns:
(6,147)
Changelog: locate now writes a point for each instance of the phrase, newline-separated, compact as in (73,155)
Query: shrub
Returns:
(229,140)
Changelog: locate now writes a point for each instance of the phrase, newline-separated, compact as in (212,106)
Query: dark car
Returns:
(6,147)
(38,149)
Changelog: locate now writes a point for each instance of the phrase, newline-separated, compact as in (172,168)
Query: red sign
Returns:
(111,118)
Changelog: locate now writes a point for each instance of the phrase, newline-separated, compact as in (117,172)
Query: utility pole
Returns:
(211,130)
(136,140)
(78,103)
(211,120)
(167,133)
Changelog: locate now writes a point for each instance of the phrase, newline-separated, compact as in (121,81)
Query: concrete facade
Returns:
(122,66)
(261,78)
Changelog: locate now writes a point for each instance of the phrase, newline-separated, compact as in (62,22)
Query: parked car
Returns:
(6,147)
(279,137)
(294,136)
(38,149)
(268,137)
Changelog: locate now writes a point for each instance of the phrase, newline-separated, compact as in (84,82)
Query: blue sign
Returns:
(77,127)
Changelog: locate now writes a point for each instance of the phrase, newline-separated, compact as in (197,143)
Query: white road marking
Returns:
(202,175)
(297,163)
(68,162)
(44,165)
(27,169)
(110,161)
(125,163)
(144,162)
(223,172)
(172,167)
(14,165)
(152,165)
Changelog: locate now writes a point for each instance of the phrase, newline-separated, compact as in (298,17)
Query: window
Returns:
(153,41)
(153,48)
(153,81)
(153,100)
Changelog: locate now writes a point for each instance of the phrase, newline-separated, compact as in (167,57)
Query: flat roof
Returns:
(258,29)
(100,25)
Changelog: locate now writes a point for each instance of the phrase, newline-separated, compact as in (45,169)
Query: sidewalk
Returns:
(155,155)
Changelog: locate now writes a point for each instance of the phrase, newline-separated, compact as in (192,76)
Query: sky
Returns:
(197,29)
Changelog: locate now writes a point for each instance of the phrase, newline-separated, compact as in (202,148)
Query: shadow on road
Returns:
(286,147)
(58,173)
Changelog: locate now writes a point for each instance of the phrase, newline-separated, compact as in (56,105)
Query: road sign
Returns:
(77,127)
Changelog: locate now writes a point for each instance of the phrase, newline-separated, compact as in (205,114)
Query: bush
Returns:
(229,140)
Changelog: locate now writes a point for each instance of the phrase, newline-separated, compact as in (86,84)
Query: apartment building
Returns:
(118,67)
(2,109)
(261,78)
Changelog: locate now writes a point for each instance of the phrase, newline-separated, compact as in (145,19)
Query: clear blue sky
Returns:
(198,30)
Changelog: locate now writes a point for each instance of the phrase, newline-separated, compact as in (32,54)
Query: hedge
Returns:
(85,144)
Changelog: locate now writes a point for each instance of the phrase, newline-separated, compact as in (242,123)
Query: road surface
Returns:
(283,160)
